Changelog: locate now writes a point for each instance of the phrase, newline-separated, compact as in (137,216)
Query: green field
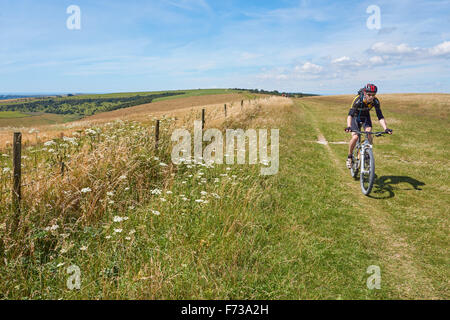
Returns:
(40,119)
(12,115)
(304,233)
(64,109)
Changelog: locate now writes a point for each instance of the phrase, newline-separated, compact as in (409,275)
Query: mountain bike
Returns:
(364,160)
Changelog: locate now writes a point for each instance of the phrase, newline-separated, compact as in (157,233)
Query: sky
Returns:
(324,47)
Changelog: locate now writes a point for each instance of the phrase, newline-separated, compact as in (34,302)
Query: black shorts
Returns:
(366,122)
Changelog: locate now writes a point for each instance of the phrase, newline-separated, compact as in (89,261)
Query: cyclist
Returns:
(359,114)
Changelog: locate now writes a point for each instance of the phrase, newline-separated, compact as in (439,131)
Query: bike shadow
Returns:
(383,186)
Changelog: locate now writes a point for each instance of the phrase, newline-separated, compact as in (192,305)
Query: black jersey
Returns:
(361,110)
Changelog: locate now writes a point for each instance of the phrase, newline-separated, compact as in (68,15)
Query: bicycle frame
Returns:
(361,147)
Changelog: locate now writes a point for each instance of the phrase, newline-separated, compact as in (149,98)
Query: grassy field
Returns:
(12,115)
(148,230)
(46,118)
(19,119)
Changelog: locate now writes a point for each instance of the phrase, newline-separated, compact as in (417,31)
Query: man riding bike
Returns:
(359,114)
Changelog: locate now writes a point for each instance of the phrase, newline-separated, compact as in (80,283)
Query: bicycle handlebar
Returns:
(368,132)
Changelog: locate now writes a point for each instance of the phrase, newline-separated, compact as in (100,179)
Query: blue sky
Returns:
(304,46)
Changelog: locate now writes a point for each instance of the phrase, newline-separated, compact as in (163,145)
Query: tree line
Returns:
(82,106)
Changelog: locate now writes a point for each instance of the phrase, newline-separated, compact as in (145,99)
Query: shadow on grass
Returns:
(383,186)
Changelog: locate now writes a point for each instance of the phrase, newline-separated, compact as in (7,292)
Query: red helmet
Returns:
(370,88)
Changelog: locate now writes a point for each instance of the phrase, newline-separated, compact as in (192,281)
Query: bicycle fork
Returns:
(362,159)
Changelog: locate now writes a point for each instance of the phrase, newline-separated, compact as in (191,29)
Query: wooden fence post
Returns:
(225,109)
(17,172)
(203,119)
(157,134)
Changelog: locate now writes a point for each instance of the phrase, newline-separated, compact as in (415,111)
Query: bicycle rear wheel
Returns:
(368,174)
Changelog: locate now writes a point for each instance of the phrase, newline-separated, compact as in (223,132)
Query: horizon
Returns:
(113,92)
(288,46)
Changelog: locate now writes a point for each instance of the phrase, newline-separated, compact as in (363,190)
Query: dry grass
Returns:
(137,113)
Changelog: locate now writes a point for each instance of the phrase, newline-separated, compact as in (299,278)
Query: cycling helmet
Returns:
(370,88)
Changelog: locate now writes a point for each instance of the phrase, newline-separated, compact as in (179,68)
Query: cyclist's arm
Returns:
(383,123)
(352,111)
(378,110)
(349,121)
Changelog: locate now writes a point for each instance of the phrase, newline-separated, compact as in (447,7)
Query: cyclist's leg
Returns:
(354,139)
(368,128)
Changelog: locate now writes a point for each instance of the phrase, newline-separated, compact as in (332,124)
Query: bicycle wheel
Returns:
(368,174)
(355,167)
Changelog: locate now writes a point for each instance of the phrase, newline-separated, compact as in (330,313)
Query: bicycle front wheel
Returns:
(368,173)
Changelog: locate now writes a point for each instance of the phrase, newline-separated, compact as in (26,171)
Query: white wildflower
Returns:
(85,190)
(157,213)
(117,230)
(156,191)
(118,219)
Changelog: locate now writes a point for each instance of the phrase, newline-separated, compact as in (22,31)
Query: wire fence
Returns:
(48,162)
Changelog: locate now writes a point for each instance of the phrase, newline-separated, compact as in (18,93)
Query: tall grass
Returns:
(96,215)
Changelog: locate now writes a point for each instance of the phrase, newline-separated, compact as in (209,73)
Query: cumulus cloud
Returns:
(388,48)
(346,62)
(376,60)
(309,67)
(404,50)
(441,49)
(341,59)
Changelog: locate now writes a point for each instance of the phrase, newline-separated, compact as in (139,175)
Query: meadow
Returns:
(139,227)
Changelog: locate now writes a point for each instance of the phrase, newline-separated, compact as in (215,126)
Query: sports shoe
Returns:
(349,163)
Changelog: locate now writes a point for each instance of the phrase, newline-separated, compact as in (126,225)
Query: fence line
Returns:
(17,185)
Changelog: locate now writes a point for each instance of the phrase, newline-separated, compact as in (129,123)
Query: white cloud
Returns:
(403,50)
(376,60)
(441,49)
(388,48)
(341,59)
(309,67)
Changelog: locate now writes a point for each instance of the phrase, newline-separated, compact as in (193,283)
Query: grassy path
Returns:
(226,232)
(397,257)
